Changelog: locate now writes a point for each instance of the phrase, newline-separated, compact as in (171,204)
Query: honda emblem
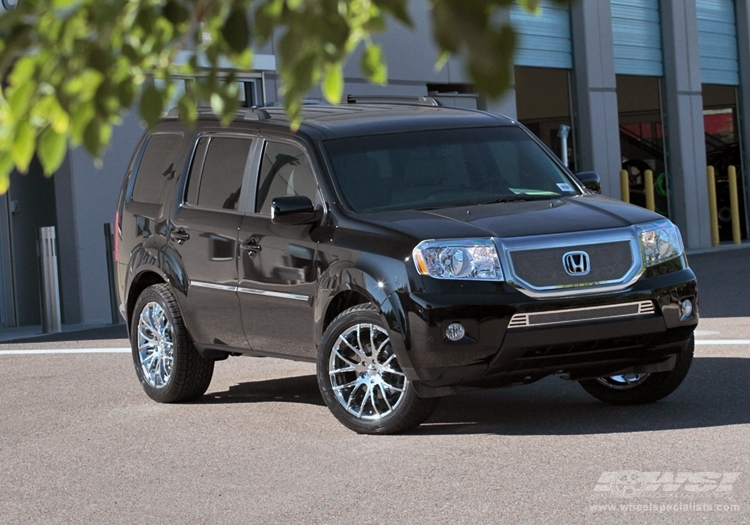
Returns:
(576,263)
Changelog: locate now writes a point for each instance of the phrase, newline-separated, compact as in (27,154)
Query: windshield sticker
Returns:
(528,191)
(564,186)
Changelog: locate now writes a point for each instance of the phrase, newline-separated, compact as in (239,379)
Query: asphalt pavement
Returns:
(81,443)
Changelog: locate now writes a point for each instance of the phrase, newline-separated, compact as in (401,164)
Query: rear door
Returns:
(204,234)
(278,270)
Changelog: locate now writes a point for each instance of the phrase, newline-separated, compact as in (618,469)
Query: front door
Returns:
(277,265)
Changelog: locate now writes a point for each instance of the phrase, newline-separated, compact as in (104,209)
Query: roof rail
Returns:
(253,113)
(394,99)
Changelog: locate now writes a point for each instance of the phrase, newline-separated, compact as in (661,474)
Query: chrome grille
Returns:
(582,314)
(543,268)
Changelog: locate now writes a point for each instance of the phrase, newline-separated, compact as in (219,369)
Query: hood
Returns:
(518,219)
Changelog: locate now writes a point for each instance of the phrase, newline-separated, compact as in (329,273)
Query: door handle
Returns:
(180,235)
(251,246)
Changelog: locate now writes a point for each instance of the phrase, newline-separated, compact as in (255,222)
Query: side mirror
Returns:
(590,180)
(293,209)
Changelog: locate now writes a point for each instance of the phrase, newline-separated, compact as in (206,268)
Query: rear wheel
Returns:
(168,366)
(360,378)
(635,389)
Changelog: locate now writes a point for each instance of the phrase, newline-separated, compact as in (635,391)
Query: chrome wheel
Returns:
(155,345)
(364,373)
(623,382)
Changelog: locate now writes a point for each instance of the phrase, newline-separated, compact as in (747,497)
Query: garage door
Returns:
(543,39)
(636,34)
(717,37)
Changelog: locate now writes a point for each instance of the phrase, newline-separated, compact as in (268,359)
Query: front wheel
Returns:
(169,367)
(636,389)
(360,378)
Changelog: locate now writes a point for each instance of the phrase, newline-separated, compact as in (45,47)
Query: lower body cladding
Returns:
(523,340)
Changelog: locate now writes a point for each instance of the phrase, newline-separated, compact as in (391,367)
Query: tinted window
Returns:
(284,171)
(443,168)
(223,171)
(156,168)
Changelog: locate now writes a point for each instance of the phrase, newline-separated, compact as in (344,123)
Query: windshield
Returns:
(444,168)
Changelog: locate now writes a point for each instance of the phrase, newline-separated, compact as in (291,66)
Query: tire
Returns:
(168,366)
(638,389)
(367,393)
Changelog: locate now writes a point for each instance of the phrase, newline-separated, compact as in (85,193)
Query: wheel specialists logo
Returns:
(632,483)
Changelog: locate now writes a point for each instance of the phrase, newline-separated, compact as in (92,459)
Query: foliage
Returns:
(71,68)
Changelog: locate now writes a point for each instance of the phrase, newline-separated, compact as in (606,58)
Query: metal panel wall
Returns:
(636,34)
(717,38)
(543,39)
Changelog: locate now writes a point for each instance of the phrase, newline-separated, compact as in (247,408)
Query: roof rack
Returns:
(252,113)
(394,99)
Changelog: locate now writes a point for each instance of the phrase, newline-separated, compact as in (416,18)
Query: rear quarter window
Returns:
(157,166)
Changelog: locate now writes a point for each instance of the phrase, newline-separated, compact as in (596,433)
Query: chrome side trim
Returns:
(253,291)
(579,315)
(269,293)
(213,286)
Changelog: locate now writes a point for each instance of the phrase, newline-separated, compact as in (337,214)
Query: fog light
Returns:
(455,332)
(687,308)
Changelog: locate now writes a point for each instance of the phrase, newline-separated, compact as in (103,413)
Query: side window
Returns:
(284,170)
(223,171)
(156,168)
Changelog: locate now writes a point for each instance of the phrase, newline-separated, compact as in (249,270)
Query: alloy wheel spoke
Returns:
(359,339)
(357,351)
(364,402)
(372,400)
(347,385)
(385,396)
(390,370)
(351,394)
(342,370)
(344,359)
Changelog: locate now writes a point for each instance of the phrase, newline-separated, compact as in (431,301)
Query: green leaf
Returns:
(6,167)
(151,105)
(23,145)
(92,137)
(236,30)
(126,93)
(532,6)
(333,84)
(175,12)
(80,117)
(19,97)
(398,8)
(188,109)
(372,64)
(52,149)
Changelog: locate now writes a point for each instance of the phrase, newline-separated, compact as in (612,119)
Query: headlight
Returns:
(661,242)
(471,259)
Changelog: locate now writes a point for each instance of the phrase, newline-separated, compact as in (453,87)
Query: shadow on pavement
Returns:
(299,389)
(712,395)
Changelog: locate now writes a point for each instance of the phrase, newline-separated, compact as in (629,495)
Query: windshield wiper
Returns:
(523,198)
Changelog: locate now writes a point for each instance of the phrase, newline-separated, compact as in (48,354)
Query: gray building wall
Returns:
(87,198)
(595,96)
(686,143)
(743,41)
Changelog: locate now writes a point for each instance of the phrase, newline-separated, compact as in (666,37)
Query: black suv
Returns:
(410,250)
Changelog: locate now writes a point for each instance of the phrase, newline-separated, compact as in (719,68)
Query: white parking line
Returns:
(125,350)
(45,351)
(722,341)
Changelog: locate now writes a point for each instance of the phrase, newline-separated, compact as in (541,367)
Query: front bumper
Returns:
(492,354)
